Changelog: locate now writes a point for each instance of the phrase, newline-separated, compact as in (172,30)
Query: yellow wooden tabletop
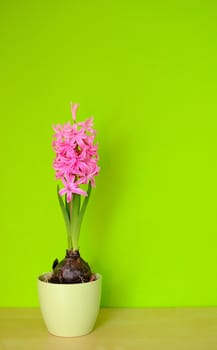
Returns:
(116,329)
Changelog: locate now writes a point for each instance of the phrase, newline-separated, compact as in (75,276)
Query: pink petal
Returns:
(73,110)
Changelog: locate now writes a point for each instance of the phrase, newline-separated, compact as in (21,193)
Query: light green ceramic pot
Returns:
(69,310)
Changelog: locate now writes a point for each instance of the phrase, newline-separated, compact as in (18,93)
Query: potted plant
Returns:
(70,295)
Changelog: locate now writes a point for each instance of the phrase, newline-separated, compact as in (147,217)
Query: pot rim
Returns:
(47,274)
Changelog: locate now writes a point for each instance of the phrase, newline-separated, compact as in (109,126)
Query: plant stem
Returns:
(69,242)
(74,220)
(70,219)
(73,216)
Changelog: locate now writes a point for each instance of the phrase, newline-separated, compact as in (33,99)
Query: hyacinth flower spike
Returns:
(75,165)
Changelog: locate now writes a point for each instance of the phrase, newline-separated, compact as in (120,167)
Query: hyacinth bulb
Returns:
(72,269)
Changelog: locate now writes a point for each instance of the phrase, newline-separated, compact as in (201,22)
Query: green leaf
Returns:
(67,207)
(64,212)
(85,202)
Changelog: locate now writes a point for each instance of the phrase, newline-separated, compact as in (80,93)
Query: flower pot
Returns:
(69,310)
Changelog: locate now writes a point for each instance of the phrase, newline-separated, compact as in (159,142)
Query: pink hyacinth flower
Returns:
(70,188)
(76,155)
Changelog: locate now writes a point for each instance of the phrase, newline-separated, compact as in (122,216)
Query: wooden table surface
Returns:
(116,329)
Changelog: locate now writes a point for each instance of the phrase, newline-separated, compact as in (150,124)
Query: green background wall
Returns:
(147,71)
